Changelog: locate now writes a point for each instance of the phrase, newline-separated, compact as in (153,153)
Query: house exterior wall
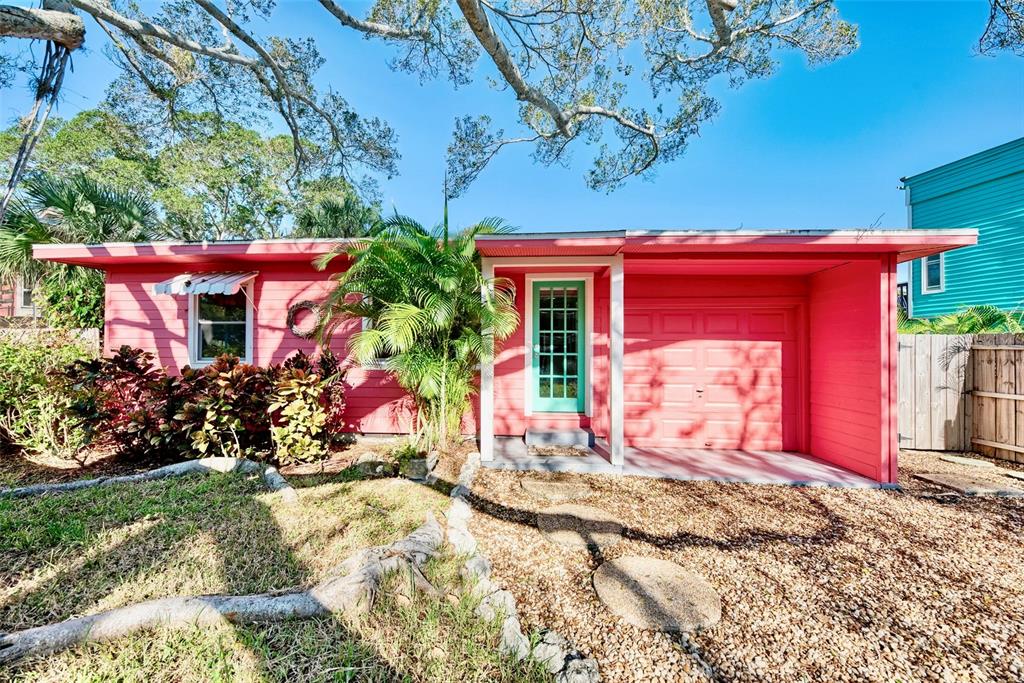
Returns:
(6,300)
(137,317)
(983,191)
(852,367)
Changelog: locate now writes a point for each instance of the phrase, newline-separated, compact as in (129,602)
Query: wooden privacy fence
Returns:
(962,392)
(934,379)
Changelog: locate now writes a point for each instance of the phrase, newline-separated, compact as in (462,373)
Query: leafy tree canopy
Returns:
(212,179)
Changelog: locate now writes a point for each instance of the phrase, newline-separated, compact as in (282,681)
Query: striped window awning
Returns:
(204,283)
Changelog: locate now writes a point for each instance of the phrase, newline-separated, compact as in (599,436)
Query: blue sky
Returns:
(807,148)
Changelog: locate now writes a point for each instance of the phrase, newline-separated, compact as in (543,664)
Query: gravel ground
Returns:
(816,584)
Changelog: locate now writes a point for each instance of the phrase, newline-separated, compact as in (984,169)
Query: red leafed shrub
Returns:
(226,408)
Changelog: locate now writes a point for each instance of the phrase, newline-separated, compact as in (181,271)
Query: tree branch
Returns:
(42,24)
(373,27)
(476,18)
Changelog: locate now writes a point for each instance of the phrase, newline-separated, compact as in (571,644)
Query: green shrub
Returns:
(33,399)
(233,409)
(299,417)
(230,408)
(71,302)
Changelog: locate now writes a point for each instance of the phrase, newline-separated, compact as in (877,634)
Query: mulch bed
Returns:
(816,584)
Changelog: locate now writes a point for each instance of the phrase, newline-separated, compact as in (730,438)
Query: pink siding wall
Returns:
(137,317)
(851,371)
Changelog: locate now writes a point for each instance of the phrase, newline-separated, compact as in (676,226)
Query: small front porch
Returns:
(688,464)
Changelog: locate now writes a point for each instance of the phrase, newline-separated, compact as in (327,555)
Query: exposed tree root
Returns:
(271,477)
(350,590)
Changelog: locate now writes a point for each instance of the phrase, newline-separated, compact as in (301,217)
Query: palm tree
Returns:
(967,320)
(51,210)
(77,209)
(348,217)
(433,317)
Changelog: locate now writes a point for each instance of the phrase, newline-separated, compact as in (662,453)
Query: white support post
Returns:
(487,378)
(616,349)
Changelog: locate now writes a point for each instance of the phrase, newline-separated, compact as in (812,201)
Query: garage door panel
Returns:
(679,358)
(723,322)
(638,323)
(774,322)
(721,378)
(641,393)
(678,323)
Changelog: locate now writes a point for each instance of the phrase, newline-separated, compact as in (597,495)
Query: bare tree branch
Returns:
(43,24)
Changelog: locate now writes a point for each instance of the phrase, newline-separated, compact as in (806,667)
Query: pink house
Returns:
(675,352)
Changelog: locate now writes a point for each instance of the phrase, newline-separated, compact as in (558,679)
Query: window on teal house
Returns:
(933,274)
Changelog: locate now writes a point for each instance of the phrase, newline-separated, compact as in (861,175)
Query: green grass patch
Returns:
(84,552)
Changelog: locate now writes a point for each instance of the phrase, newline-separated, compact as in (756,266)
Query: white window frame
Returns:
(377,364)
(20,310)
(925,289)
(193,329)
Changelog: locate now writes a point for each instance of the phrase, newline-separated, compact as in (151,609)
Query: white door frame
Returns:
(616,343)
(588,334)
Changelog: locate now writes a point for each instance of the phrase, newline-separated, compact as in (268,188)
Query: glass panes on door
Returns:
(558,346)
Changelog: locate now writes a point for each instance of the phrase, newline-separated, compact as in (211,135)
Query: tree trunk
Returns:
(40,24)
(349,590)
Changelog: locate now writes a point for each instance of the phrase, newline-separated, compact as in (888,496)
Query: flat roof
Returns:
(908,244)
(190,253)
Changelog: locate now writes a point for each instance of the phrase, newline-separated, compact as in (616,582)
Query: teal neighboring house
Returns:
(983,191)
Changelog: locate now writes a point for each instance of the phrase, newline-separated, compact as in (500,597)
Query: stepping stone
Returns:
(1015,474)
(657,594)
(579,526)
(970,486)
(556,491)
(970,462)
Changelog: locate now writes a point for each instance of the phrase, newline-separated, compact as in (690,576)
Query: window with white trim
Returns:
(378,362)
(24,305)
(933,273)
(220,324)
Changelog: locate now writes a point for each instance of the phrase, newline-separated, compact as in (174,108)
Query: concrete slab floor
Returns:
(742,466)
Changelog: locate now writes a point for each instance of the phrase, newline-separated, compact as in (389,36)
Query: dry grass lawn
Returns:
(816,584)
(79,553)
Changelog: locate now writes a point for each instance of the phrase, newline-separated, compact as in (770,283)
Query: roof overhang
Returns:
(906,244)
(199,254)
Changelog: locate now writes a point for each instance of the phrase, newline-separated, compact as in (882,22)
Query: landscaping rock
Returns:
(369,464)
(579,526)
(971,462)
(513,642)
(414,468)
(1015,474)
(476,568)
(556,491)
(580,671)
(970,486)
(657,594)
(551,651)
(500,603)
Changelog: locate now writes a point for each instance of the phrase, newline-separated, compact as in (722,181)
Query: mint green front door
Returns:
(558,346)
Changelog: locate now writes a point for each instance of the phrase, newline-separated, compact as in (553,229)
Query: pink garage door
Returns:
(712,378)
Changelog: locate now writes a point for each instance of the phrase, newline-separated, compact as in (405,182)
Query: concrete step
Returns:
(559,437)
